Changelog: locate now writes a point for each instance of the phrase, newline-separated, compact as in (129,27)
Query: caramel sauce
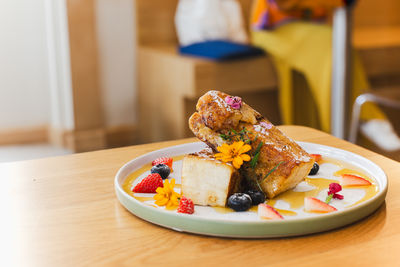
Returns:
(286,212)
(293,198)
(143,199)
(223,210)
(127,185)
(254,209)
(229,210)
(370,190)
(296,199)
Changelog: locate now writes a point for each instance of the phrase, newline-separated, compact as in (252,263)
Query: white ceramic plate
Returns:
(206,220)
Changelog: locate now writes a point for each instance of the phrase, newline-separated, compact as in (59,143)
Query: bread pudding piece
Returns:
(214,122)
(207,181)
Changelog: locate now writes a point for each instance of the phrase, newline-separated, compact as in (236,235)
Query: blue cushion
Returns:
(220,50)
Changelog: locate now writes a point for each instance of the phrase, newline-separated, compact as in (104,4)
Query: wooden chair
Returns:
(169,84)
(388,99)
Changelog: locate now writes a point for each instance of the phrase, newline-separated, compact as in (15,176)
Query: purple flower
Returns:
(234,101)
(266,125)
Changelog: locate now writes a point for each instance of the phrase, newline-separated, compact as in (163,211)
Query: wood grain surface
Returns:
(63,211)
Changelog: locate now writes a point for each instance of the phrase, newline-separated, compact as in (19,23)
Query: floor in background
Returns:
(31,151)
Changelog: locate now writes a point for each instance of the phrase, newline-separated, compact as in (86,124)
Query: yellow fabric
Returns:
(306,47)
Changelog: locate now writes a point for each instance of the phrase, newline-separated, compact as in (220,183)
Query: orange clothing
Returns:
(267,14)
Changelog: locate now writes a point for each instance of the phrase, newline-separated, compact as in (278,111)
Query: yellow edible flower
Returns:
(166,196)
(233,153)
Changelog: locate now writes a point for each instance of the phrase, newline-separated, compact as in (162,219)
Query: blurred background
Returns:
(84,75)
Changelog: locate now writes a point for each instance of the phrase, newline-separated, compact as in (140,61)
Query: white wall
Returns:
(117,45)
(31,40)
(24,86)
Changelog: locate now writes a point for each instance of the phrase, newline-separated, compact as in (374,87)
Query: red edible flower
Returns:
(334,188)
(338,196)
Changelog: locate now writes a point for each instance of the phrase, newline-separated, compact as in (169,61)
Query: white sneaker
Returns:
(381,133)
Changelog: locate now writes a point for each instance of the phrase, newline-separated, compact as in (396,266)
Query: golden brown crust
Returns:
(217,115)
(215,118)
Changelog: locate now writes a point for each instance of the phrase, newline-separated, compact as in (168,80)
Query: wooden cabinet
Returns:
(169,84)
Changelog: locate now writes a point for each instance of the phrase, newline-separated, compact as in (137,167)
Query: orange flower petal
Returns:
(225,149)
(160,190)
(245,157)
(158,197)
(161,202)
(244,149)
(237,162)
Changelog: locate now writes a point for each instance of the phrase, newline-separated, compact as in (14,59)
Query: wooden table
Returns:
(63,211)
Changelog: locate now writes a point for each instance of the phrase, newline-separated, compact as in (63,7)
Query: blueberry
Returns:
(314,169)
(239,202)
(162,169)
(256,196)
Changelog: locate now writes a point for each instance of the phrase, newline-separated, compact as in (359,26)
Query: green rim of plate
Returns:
(250,229)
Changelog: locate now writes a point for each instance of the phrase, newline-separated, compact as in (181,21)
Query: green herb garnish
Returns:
(272,170)
(328,198)
(254,160)
(234,135)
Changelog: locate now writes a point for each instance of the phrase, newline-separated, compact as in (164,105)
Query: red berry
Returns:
(317,157)
(163,160)
(186,206)
(149,184)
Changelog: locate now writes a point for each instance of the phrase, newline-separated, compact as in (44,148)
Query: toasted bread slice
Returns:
(207,181)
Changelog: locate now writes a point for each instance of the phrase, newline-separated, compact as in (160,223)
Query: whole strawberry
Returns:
(186,205)
(149,184)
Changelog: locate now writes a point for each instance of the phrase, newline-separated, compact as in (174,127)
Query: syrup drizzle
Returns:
(293,198)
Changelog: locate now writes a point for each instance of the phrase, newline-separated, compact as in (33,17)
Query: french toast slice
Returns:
(207,181)
(281,164)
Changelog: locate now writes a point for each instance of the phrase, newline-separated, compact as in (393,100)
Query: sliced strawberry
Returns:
(317,157)
(267,212)
(164,160)
(352,180)
(149,184)
(312,204)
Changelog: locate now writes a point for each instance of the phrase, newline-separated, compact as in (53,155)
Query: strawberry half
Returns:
(312,204)
(149,184)
(267,212)
(164,160)
(353,180)
(317,157)
(186,205)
